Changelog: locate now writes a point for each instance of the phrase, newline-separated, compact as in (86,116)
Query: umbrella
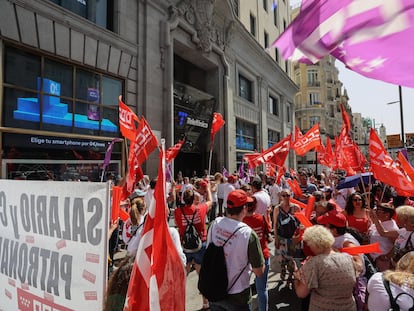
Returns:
(352,181)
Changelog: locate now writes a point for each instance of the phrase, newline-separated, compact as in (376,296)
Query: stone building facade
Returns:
(64,64)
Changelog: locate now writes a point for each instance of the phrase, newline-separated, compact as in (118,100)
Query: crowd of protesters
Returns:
(322,274)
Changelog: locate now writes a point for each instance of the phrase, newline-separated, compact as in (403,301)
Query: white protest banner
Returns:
(53,245)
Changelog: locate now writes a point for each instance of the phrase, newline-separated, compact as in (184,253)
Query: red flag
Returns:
(217,124)
(298,133)
(310,140)
(276,154)
(116,201)
(143,144)
(247,157)
(158,278)
(385,169)
(346,122)
(404,165)
(280,172)
(173,151)
(294,186)
(127,119)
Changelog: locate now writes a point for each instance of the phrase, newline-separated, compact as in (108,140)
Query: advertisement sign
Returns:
(53,245)
(394,141)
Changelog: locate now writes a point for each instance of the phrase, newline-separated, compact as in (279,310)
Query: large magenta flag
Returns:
(373,38)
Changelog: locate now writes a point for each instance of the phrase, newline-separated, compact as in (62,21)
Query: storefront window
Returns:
(245,135)
(46,100)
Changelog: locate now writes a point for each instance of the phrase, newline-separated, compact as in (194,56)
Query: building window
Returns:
(245,88)
(284,24)
(313,120)
(314,99)
(245,135)
(266,40)
(275,15)
(313,77)
(236,7)
(276,55)
(98,11)
(58,97)
(274,105)
(265,5)
(252,25)
(273,137)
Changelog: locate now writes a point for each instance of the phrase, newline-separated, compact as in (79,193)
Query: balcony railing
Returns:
(314,83)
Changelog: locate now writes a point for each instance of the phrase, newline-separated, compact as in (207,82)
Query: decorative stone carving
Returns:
(200,15)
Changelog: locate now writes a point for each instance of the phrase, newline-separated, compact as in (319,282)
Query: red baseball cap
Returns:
(332,218)
(238,198)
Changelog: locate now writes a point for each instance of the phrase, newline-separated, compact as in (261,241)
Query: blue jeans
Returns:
(225,305)
(261,288)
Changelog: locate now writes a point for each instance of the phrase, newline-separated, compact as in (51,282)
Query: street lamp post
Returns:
(401,114)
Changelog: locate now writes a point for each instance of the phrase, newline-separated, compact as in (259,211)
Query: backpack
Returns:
(286,224)
(213,279)
(393,300)
(191,241)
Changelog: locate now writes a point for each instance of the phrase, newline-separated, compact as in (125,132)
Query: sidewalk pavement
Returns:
(281,297)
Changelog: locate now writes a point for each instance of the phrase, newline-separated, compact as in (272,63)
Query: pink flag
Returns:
(158,279)
(366,36)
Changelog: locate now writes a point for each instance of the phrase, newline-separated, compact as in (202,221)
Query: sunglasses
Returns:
(285,195)
(357,200)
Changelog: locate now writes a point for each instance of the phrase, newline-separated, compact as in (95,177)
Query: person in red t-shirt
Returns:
(199,212)
(261,226)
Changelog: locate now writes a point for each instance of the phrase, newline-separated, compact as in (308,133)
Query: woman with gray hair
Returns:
(329,277)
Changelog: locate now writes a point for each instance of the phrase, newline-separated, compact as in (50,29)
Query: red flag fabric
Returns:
(173,151)
(404,165)
(385,169)
(158,278)
(309,206)
(217,124)
(276,154)
(116,201)
(247,157)
(363,249)
(303,220)
(127,121)
(294,186)
(308,141)
(280,172)
(346,122)
(299,203)
(143,144)
(298,133)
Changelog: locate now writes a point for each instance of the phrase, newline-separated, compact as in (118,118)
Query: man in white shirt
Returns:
(262,198)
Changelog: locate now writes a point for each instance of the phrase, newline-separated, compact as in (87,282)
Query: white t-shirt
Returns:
(220,191)
(378,299)
(263,202)
(385,243)
(227,188)
(274,191)
(235,250)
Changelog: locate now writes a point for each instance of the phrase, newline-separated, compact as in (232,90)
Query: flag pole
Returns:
(209,159)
